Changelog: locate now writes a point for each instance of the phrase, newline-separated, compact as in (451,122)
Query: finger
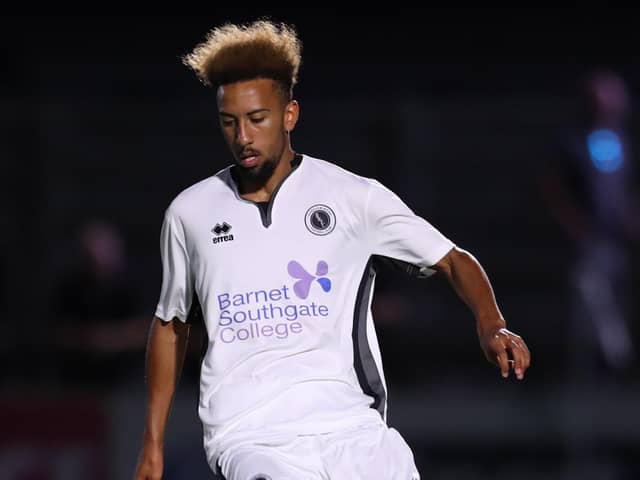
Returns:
(518,358)
(503,362)
(527,356)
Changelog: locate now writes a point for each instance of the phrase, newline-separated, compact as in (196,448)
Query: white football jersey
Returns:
(285,290)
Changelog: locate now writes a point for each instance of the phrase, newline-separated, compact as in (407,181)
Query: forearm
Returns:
(565,210)
(472,285)
(165,356)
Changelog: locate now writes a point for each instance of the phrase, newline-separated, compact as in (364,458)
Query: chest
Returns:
(299,233)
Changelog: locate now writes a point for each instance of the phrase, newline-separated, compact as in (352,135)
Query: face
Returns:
(255,119)
(611,98)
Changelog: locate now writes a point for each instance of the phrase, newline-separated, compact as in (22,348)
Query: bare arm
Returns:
(165,356)
(563,207)
(472,285)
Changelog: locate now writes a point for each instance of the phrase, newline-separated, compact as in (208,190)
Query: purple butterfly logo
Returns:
(305,279)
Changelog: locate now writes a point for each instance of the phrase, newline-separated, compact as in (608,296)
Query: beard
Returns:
(259,173)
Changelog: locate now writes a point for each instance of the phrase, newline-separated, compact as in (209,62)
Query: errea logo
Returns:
(221,233)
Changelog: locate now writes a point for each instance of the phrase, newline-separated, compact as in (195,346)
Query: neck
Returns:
(260,190)
(609,122)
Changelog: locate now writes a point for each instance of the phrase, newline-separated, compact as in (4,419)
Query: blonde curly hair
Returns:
(261,49)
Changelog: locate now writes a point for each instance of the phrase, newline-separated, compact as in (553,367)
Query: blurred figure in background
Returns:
(100,331)
(4,301)
(589,191)
(3,287)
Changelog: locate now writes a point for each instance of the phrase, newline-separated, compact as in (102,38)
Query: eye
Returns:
(257,119)
(226,122)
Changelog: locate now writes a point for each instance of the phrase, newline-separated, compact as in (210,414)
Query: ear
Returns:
(291,113)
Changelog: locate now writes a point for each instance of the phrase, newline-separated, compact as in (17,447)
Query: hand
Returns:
(150,464)
(506,349)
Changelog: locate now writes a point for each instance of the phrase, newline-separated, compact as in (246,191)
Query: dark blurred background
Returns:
(511,130)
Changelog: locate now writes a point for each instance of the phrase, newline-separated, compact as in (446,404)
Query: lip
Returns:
(249,161)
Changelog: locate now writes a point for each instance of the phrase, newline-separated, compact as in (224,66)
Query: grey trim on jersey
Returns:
(364,363)
(405,267)
(195,316)
(265,207)
(217,473)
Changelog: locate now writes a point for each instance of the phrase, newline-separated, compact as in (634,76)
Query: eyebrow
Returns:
(252,112)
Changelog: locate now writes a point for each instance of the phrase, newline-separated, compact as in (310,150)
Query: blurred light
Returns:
(605,149)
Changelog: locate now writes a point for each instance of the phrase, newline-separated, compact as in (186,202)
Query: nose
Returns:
(242,134)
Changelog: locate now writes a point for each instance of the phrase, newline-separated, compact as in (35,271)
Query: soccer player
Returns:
(278,249)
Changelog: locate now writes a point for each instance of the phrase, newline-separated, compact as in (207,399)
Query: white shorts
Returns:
(372,452)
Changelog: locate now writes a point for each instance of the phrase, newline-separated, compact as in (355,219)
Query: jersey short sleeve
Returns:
(177,282)
(398,233)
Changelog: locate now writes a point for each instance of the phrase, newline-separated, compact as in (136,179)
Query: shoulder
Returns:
(337,175)
(191,198)
(350,183)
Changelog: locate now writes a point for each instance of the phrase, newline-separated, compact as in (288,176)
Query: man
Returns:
(278,249)
(588,187)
